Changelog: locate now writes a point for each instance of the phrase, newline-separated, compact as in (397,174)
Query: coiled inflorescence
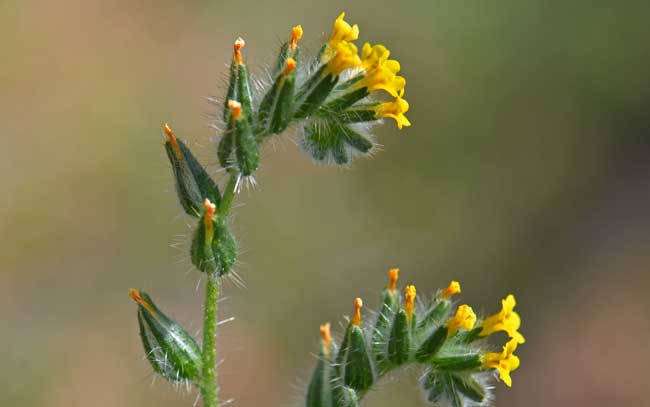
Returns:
(333,100)
(449,344)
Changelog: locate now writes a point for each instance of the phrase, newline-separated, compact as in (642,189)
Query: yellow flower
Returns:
(342,31)
(505,362)
(380,72)
(464,318)
(409,300)
(296,35)
(506,320)
(453,288)
(394,109)
(344,58)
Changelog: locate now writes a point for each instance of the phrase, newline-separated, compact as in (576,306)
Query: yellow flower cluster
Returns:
(379,72)
(506,320)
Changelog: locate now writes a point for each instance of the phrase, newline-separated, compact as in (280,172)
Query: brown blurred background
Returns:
(526,170)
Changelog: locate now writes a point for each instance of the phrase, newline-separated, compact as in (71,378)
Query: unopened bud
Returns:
(172,352)
(193,184)
(214,249)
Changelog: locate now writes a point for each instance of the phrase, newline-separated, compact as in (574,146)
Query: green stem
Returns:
(209,382)
(209,388)
(228,194)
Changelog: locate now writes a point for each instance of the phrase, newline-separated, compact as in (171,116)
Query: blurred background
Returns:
(526,170)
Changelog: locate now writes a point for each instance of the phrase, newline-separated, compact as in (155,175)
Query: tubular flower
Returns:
(409,300)
(505,362)
(506,320)
(394,109)
(380,72)
(296,35)
(453,288)
(342,32)
(464,318)
(345,57)
(393,274)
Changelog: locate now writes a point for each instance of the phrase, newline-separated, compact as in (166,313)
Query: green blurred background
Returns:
(526,170)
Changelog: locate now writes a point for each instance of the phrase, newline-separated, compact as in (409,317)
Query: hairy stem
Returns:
(209,377)
(209,388)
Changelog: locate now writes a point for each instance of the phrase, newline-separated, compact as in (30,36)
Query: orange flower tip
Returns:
(239,44)
(289,66)
(356,320)
(168,132)
(235,108)
(296,35)
(209,208)
(393,275)
(135,296)
(453,288)
(326,336)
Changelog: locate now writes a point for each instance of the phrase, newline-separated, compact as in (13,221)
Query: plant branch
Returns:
(209,375)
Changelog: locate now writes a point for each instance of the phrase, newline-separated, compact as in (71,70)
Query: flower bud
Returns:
(193,184)
(172,352)
(243,141)
(213,247)
(354,361)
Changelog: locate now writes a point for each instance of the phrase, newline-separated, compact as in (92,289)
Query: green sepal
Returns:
(282,113)
(434,385)
(214,248)
(431,345)
(244,94)
(354,361)
(231,93)
(435,316)
(381,331)
(327,140)
(452,388)
(320,392)
(469,336)
(346,85)
(470,388)
(311,99)
(344,396)
(399,343)
(171,351)
(246,149)
(457,362)
(357,116)
(225,148)
(345,100)
(193,184)
(274,113)
(284,54)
